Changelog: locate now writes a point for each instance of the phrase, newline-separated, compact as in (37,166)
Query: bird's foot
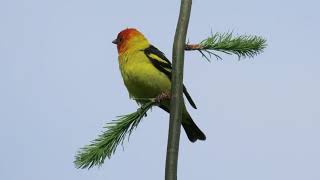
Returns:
(163,96)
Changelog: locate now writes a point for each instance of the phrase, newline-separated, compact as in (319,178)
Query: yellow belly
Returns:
(141,78)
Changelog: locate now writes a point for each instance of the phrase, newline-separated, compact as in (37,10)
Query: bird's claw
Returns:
(163,96)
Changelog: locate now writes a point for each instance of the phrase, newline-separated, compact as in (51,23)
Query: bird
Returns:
(146,73)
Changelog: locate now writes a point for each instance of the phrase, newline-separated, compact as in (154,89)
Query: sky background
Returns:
(60,83)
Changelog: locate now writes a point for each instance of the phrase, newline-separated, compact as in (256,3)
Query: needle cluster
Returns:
(243,46)
(106,144)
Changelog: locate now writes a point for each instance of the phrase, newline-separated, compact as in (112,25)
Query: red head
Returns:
(130,39)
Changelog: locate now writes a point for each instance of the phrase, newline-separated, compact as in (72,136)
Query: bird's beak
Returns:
(115,41)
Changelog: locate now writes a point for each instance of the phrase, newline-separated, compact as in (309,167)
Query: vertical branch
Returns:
(176,91)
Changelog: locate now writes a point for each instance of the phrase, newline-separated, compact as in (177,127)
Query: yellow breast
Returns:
(141,78)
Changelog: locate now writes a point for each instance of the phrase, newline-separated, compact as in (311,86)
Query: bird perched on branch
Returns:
(146,73)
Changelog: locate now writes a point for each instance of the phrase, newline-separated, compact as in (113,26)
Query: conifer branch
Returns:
(106,143)
(243,46)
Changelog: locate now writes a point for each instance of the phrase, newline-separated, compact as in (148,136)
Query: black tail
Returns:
(192,130)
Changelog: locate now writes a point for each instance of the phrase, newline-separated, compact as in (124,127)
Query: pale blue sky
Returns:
(60,84)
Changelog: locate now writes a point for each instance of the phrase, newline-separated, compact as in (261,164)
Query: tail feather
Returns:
(192,130)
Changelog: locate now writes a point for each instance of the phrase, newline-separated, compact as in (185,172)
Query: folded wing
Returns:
(159,60)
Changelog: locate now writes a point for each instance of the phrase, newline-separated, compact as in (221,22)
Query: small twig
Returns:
(190,47)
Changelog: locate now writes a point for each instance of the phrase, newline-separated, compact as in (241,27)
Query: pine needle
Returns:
(106,143)
(243,46)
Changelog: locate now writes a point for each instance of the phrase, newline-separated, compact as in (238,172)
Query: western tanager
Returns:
(146,73)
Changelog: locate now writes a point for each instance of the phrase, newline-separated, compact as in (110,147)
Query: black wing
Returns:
(159,60)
